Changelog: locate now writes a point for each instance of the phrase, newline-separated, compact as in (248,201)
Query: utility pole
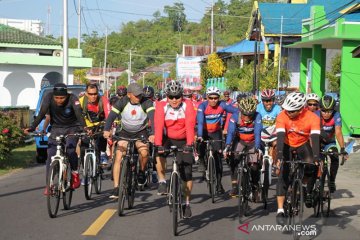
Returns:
(104,70)
(79,24)
(255,54)
(129,68)
(143,79)
(281,30)
(65,42)
(48,20)
(212,27)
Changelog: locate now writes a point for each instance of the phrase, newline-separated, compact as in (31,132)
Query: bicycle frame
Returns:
(90,151)
(266,158)
(60,157)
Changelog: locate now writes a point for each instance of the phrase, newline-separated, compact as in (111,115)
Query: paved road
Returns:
(23,213)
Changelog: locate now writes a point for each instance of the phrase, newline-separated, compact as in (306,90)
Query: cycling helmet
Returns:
(312,96)
(173,88)
(121,91)
(157,96)
(327,103)
(247,106)
(267,94)
(148,92)
(279,100)
(213,91)
(294,101)
(187,93)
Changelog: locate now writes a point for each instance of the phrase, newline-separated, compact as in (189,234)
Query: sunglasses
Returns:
(176,97)
(213,98)
(313,104)
(92,94)
(292,112)
(268,100)
(327,111)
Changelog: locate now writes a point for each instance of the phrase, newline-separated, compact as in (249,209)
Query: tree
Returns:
(176,15)
(334,74)
(80,75)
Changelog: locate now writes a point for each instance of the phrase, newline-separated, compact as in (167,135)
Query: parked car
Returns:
(42,143)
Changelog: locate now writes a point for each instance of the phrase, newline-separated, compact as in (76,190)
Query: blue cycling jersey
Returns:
(268,118)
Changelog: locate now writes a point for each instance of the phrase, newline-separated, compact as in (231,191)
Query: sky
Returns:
(112,14)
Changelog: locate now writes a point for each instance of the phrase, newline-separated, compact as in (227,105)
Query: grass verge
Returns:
(20,158)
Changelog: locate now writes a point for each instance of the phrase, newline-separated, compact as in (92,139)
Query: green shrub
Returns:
(11,136)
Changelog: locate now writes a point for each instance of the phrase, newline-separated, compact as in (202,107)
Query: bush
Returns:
(11,136)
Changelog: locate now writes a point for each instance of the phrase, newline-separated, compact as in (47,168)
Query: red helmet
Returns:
(267,94)
(121,91)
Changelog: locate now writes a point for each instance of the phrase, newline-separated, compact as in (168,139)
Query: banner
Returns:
(188,71)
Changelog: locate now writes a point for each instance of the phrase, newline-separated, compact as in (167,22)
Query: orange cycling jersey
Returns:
(298,130)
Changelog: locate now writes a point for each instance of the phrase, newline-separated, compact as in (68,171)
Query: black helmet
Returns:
(327,103)
(148,92)
(121,91)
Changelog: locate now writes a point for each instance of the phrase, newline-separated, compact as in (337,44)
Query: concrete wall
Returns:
(20,84)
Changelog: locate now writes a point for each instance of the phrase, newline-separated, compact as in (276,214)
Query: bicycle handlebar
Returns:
(335,154)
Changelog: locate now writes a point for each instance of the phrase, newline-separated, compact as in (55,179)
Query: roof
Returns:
(13,35)
(244,47)
(293,14)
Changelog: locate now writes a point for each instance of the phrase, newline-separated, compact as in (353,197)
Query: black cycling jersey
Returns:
(68,115)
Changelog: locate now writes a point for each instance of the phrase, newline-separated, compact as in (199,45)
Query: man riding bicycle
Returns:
(245,132)
(65,118)
(209,119)
(269,111)
(135,112)
(95,109)
(330,122)
(295,127)
(175,123)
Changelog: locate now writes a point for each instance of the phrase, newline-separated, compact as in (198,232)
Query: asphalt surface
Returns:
(23,212)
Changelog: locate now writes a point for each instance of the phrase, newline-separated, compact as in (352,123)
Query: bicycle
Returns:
(322,193)
(59,177)
(244,183)
(210,173)
(93,172)
(174,197)
(150,164)
(128,175)
(294,198)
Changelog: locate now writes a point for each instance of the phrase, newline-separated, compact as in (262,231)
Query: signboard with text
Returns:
(188,71)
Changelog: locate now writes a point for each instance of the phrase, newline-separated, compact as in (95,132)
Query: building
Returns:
(28,62)
(33,26)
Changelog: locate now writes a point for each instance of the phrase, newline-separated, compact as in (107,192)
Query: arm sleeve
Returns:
(44,109)
(115,111)
(231,129)
(315,136)
(200,117)
(228,116)
(190,123)
(160,123)
(337,118)
(77,109)
(257,130)
(149,108)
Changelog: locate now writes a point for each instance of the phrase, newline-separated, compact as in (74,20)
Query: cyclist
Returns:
(295,126)
(65,118)
(279,100)
(196,100)
(95,109)
(269,110)
(312,102)
(135,112)
(175,123)
(121,91)
(187,93)
(227,98)
(149,94)
(209,119)
(331,128)
(247,126)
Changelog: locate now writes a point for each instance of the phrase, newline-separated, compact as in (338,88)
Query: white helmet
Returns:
(294,101)
(212,91)
(312,96)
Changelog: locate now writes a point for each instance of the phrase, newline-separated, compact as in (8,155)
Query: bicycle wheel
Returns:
(243,196)
(88,172)
(297,207)
(325,195)
(122,186)
(212,178)
(317,198)
(54,189)
(175,204)
(67,191)
(97,180)
(265,183)
(132,182)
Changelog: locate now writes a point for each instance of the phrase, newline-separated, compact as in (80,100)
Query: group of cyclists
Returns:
(306,124)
